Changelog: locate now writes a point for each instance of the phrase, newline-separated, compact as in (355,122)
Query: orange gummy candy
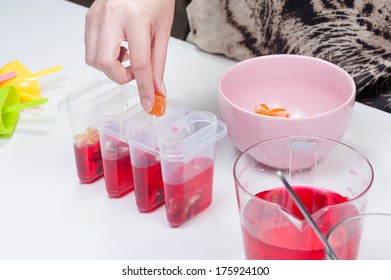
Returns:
(263,109)
(159,107)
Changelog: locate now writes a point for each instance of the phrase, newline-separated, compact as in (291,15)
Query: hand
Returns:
(145,25)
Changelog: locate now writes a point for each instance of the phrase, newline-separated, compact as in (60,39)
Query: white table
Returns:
(46,214)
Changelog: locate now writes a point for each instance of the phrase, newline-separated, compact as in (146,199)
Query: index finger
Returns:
(139,44)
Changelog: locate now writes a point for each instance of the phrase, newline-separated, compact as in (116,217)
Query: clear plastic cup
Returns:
(117,164)
(80,105)
(362,237)
(330,178)
(143,132)
(187,153)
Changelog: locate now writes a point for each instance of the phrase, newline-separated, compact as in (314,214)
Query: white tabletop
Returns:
(46,214)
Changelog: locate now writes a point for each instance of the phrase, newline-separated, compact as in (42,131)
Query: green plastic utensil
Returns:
(8,97)
(25,105)
(10,106)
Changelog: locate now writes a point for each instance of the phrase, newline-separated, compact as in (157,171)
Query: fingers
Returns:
(103,50)
(139,44)
(91,35)
(158,60)
(110,54)
(159,46)
(140,23)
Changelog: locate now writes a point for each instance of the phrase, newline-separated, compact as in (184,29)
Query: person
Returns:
(145,28)
(354,35)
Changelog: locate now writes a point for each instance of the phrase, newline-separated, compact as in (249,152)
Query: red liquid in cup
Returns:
(188,199)
(148,185)
(88,162)
(118,170)
(268,234)
(347,249)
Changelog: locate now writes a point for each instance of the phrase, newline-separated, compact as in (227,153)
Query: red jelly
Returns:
(89,163)
(268,234)
(117,169)
(193,192)
(148,183)
(88,156)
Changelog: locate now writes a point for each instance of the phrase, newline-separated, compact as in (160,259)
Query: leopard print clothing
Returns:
(353,34)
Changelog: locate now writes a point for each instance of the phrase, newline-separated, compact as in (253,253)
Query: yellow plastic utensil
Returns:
(10,106)
(25,82)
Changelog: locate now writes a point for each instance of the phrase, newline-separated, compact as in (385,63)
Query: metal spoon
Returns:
(329,251)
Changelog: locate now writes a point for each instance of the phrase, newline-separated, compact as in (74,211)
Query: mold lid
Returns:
(190,135)
(82,102)
(144,129)
(112,113)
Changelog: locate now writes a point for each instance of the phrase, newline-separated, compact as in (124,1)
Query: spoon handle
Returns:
(330,252)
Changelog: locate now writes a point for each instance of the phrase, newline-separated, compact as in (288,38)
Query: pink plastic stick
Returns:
(7,76)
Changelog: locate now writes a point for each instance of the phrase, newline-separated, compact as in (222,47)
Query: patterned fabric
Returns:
(354,34)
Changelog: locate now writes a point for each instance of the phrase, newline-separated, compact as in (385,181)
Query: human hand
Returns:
(145,25)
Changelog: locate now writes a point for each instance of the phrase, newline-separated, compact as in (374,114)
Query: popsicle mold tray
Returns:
(81,107)
(166,160)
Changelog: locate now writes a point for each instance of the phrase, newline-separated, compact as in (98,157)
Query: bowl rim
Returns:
(350,99)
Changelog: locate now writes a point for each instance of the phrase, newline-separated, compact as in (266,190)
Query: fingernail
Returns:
(147,104)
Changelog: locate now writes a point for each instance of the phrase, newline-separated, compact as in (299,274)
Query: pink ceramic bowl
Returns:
(318,95)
